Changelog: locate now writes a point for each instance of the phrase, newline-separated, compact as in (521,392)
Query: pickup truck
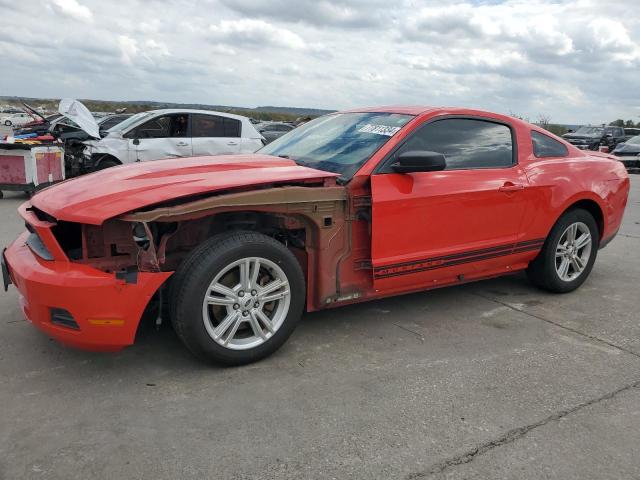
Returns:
(352,206)
(592,138)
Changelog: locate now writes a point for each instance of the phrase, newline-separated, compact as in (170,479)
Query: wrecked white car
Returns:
(156,134)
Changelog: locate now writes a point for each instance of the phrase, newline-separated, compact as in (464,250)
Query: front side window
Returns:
(340,142)
(465,143)
(166,126)
(545,146)
(137,118)
(214,126)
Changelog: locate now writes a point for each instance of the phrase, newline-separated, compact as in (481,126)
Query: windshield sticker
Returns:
(378,129)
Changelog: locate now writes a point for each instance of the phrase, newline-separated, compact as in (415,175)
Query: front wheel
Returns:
(568,254)
(237,298)
(7,123)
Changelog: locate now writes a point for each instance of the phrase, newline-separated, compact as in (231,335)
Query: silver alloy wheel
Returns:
(246,303)
(573,251)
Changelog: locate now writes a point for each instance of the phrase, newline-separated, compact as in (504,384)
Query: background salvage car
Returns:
(272,130)
(592,138)
(629,152)
(110,121)
(16,119)
(349,207)
(167,133)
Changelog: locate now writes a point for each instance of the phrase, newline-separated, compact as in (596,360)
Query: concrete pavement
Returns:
(488,380)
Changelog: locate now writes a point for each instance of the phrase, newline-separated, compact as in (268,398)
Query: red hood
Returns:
(102,195)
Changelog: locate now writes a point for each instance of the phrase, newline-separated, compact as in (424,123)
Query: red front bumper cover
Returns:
(107,310)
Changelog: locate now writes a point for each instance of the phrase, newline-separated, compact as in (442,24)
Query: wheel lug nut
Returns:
(241,293)
(254,292)
(256,305)
(245,313)
(236,306)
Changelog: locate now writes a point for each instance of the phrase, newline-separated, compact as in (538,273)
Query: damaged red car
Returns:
(350,207)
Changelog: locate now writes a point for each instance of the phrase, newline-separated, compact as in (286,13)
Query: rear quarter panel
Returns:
(558,183)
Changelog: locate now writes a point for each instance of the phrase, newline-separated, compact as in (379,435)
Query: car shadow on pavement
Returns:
(159,348)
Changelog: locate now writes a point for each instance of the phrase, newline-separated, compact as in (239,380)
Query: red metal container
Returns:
(29,168)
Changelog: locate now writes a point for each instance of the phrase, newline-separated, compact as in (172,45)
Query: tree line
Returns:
(627,124)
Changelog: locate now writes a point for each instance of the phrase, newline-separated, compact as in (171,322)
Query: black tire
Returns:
(191,281)
(542,271)
(7,123)
(106,163)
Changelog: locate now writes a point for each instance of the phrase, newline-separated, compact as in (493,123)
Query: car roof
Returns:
(164,111)
(402,109)
(424,109)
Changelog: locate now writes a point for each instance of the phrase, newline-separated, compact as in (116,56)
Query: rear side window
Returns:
(545,147)
(466,143)
(214,126)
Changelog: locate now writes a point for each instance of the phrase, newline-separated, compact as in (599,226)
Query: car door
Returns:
(436,227)
(165,136)
(215,135)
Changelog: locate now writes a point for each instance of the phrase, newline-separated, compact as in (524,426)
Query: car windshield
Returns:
(338,143)
(129,121)
(589,131)
(634,140)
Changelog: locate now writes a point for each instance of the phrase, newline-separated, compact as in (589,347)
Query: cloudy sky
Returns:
(576,61)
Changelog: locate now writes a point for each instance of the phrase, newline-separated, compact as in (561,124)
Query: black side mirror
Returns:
(136,141)
(419,161)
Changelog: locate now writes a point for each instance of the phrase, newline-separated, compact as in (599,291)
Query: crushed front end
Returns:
(78,283)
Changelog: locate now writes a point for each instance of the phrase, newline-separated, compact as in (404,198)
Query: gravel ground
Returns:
(488,380)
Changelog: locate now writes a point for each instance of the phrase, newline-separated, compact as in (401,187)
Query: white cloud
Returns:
(151,51)
(73,9)
(128,49)
(255,32)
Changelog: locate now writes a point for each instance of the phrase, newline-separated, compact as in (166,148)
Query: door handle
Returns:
(182,144)
(511,187)
(232,143)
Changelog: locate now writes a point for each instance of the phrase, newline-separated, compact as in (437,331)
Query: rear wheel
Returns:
(7,123)
(237,298)
(568,254)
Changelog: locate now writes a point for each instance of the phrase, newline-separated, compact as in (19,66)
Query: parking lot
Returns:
(488,380)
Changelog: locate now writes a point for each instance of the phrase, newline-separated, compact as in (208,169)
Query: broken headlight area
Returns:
(109,247)
(37,246)
(116,246)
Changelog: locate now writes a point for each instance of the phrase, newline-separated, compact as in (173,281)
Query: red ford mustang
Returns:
(352,206)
